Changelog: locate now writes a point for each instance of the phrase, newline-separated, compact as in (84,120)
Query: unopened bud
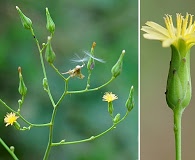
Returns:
(22,87)
(45,84)
(116,118)
(12,148)
(26,22)
(117,68)
(49,53)
(130,100)
(50,24)
(91,61)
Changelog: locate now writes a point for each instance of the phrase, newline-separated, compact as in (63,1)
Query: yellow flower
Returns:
(171,35)
(109,97)
(10,118)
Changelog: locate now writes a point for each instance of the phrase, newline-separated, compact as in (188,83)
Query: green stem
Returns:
(93,89)
(177,131)
(49,145)
(92,137)
(18,114)
(8,149)
(88,80)
(58,72)
(50,134)
(42,64)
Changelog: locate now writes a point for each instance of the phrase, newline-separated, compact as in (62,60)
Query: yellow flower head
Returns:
(171,35)
(109,97)
(10,118)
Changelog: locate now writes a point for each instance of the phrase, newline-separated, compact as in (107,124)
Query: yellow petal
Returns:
(155,36)
(168,42)
(158,28)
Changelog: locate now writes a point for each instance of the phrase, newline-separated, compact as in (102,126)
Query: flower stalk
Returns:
(177,131)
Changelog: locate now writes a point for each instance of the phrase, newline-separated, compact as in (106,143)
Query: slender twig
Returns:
(8,149)
(93,89)
(177,130)
(58,72)
(88,80)
(50,134)
(92,137)
(49,145)
(42,64)
(18,114)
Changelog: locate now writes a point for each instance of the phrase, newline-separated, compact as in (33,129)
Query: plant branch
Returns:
(17,113)
(8,149)
(92,137)
(93,89)
(42,64)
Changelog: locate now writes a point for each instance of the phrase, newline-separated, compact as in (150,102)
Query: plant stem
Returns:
(93,89)
(30,124)
(177,130)
(50,134)
(8,149)
(52,65)
(92,137)
(42,64)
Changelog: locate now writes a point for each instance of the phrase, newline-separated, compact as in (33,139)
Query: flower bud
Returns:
(130,101)
(50,24)
(45,84)
(22,87)
(26,22)
(49,53)
(91,61)
(117,68)
(12,148)
(178,91)
(20,102)
(116,118)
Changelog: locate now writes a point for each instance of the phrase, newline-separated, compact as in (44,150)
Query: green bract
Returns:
(178,91)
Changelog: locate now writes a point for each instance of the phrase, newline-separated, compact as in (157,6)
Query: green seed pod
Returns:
(117,68)
(22,87)
(50,24)
(26,22)
(130,101)
(178,91)
(49,53)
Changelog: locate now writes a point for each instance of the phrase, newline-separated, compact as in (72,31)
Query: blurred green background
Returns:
(113,25)
(157,138)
